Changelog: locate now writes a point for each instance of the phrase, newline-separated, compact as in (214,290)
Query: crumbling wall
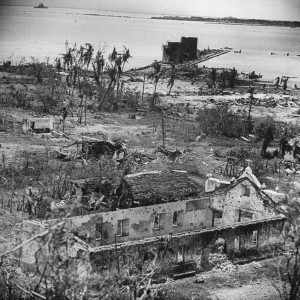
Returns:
(191,215)
(170,249)
(131,257)
(138,257)
(242,203)
(172,52)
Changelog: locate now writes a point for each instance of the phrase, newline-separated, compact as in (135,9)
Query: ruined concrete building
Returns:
(180,221)
(178,52)
(38,125)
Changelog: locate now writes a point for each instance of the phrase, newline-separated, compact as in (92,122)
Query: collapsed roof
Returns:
(92,147)
(156,187)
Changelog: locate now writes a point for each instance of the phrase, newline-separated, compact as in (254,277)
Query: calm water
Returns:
(25,31)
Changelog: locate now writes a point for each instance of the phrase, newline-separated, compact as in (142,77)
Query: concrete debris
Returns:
(220,263)
(255,265)
(199,280)
(90,147)
(59,134)
(141,158)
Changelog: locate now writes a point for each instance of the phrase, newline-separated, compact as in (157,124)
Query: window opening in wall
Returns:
(157,221)
(237,243)
(245,215)
(178,217)
(194,205)
(246,191)
(254,238)
(123,227)
(181,254)
(175,218)
(217,218)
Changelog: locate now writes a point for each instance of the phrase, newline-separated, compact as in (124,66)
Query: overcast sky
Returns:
(262,9)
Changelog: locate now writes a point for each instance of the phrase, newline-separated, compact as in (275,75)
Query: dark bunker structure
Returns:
(178,52)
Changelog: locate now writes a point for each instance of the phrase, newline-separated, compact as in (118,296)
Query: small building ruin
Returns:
(178,52)
(38,125)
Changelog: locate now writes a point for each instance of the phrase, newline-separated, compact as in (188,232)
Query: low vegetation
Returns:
(80,87)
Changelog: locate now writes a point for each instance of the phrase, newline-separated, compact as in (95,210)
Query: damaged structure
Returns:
(182,221)
(178,52)
(148,188)
(89,147)
(38,125)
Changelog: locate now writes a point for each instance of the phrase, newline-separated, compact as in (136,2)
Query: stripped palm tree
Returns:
(156,74)
(88,54)
(98,66)
(125,57)
(113,56)
(171,78)
(114,70)
(120,59)
(111,71)
(68,59)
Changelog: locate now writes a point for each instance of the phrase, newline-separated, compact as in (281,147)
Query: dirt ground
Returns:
(253,281)
(144,134)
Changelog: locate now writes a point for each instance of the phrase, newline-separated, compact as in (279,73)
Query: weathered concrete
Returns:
(244,216)
(103,227)
(243,202)
(191,246)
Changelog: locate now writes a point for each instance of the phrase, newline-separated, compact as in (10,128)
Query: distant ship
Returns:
(41,5)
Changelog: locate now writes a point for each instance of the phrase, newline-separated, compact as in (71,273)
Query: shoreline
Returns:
(206,20)
(233,21)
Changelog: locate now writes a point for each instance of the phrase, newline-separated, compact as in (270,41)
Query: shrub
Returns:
(267,126)
(221,120)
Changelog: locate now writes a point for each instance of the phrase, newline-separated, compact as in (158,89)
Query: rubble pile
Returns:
(139,157)
(91,147)
(220,263)
(257,100)
(264,100)
(255,265)
(198,259)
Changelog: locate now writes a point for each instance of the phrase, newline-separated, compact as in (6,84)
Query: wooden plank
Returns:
(184,275)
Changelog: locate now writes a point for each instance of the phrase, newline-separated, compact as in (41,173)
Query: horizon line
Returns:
(162,14)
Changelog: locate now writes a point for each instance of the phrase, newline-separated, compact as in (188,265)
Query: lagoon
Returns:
(28,32)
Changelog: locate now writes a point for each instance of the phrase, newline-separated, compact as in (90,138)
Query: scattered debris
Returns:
(92,147)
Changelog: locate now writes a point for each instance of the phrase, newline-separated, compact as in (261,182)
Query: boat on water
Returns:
(41,5)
